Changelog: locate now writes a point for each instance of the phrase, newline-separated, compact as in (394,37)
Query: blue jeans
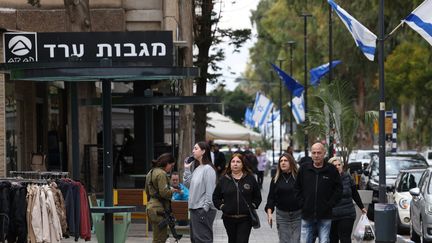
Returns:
(310,229)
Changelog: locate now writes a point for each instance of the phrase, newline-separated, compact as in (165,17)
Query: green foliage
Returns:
(234,103)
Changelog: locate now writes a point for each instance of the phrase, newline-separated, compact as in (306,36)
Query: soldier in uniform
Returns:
(158,189)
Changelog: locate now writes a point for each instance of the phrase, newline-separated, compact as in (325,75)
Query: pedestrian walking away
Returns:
(281,195)
(344,213)
(235,193)
(158,189)
(200,177)
(318,189)
(262,163)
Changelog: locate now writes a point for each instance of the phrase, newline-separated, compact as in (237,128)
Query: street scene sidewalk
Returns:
(263,234)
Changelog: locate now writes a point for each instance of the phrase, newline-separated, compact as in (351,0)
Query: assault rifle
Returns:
(170,220)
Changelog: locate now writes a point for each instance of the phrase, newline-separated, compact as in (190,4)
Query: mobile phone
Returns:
(190,160)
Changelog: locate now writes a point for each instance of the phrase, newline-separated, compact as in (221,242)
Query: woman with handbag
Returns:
(344,213)
(238,195)
(281,196)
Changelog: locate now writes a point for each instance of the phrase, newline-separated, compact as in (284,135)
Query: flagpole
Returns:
(291,140)
(306,144)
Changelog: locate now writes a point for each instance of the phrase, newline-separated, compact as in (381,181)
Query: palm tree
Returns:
(334,102)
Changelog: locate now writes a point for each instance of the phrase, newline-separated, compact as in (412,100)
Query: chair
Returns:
(38,162)
(133,197)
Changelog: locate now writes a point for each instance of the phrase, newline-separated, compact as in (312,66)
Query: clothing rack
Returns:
(39,174)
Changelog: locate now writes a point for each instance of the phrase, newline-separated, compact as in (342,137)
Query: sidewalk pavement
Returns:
(263,234)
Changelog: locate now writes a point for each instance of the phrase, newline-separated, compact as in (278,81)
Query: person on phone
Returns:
(344,213)
(281,195)
(183,194)
(200,177)
(236,191)
(159,191)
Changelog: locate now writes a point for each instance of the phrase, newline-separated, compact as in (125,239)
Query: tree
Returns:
(208,34)
(333,102)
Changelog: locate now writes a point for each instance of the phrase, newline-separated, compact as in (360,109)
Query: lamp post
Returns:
(382,170)
(305,16)
(291,45)
(280,109)
(272,122)
(330,148)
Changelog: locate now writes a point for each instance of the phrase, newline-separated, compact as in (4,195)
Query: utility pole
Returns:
(382,168)
(291,45)
(305,16)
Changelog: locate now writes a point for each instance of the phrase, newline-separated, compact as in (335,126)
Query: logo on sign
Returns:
(21,47)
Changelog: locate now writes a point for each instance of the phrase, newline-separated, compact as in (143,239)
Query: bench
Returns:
(180,211)
(133,197)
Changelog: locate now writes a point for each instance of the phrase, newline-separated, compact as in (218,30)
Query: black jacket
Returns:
(318,190)
(281,194)
(226,196)
(345,208)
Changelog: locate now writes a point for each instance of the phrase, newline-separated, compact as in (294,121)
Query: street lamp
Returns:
(330,148)
(305,16)
(291,45)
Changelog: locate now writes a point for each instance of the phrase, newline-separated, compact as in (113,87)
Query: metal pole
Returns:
(330,147)
(291,44)
(75,131)
(382,170)
(273,145)
(107,157)
(305,16)
(280,110)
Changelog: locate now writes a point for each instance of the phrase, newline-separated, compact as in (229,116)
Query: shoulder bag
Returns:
(252,211)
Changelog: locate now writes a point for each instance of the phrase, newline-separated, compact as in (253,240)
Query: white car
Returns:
(363,156)
(428,156)
(406,180)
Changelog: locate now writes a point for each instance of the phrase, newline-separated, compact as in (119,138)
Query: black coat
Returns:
(226,196)
(318,190)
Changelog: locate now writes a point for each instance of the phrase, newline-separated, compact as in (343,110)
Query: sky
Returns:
(236,16)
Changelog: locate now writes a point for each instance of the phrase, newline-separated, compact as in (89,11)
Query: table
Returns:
(108,219)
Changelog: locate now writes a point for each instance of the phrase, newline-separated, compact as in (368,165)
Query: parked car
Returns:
(274,159)
(394,163)
(421,209)
(428,156)
(363,156)
(406,180)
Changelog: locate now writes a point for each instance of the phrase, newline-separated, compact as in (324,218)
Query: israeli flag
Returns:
(318,72)
(420,20)
(248,118)
(261,109)
(364,38)
(298,109)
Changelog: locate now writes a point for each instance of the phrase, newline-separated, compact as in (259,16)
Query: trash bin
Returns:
(121,227)
(385,222)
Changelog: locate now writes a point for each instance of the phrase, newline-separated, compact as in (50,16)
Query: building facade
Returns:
(35,116)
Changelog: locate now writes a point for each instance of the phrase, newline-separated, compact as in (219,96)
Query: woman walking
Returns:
(281,196)
(236,191)
(262,163)
(200,177)
(158,189)
(344,213)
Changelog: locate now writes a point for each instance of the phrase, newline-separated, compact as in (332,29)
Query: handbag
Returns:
(256,224)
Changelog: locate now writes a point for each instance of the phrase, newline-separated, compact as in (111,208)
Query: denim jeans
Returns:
(288,225)
(310,229)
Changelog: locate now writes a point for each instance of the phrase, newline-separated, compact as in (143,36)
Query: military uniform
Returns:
(157,187)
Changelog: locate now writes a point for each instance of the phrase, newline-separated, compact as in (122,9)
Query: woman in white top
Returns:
(200,177)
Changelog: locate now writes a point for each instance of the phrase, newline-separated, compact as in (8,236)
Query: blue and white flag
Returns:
(274,116)
(420,20)
(295,87)
(249,122)
(298,109)
(364,38)
(261,109)
(318,72)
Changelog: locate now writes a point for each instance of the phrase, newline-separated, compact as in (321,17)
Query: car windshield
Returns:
(409,181)
(395,164)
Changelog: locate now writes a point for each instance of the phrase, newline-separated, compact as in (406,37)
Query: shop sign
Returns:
(154,48)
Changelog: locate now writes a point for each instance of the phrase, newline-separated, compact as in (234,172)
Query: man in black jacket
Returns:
(318,188)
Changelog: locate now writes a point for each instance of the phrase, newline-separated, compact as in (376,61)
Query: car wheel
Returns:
(414,236)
